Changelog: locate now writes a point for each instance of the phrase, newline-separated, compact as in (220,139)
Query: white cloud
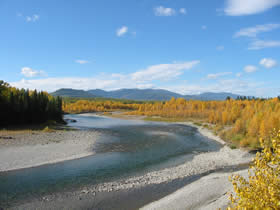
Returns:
(183,11)
(140,79)
(250,68)
(238,86)
(203,27)
(52,84)
(215,76)
(29,72)
(239,74)
(163,11)
(85,83)
(253,31)
(248,7)
(81,61)
(122,31)
(145,86)
(220,48)
(32,18)
(163,71)
(261,44)
(268,63)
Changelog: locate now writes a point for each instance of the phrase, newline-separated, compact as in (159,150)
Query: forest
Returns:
(71,105)
(19,106)
(240,122)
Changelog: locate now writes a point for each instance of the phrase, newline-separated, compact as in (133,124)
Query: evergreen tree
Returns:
(27,107)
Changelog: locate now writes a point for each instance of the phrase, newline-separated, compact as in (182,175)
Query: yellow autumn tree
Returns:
(262,189)
(240,122)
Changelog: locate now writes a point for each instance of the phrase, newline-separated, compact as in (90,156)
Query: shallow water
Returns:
(126,148)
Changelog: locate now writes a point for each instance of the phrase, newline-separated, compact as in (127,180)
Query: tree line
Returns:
(241,122)
(81,106)
(20,106)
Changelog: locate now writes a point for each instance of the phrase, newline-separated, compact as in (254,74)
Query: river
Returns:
(126,148)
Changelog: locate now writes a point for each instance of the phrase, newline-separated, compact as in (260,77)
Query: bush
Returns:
(262,189)
(48,130)
(232,146)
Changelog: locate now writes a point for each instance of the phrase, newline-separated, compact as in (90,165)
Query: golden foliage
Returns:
(97,106)
(250,119)
(262,189)
(245,121)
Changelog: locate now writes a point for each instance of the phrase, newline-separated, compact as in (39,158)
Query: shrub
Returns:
(262,189)
(48,130)
(245,142)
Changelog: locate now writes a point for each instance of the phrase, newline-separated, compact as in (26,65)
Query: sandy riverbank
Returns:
(34,148)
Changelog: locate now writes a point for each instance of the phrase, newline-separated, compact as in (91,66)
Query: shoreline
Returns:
(124,199)
(209,192)
(206,133)
(35,149)
(204,163)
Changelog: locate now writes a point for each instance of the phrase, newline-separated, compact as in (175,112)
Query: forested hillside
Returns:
(27,107)
(141,94)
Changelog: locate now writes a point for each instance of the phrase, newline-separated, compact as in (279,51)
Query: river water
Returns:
(126,148)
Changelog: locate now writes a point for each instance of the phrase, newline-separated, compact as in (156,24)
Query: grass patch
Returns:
(7,132)
(197,123)
(47,129)
(237,137)
(232,146)
(206,126)
(164,119)
(48,126)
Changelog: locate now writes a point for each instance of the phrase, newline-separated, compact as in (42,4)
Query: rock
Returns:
(6,137)
(70,120)
(85,191)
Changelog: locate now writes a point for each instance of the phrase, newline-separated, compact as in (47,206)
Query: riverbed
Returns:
(127,155)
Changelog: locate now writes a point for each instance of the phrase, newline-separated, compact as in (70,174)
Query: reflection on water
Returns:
(125,148)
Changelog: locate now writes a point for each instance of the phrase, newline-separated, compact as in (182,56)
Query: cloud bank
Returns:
(249,7)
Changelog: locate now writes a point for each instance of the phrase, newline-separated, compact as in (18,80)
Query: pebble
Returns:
(199,164)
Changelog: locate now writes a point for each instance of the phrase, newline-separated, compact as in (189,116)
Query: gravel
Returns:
(30,149)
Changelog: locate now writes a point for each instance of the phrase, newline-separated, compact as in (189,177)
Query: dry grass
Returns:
(5,132)
(48,129)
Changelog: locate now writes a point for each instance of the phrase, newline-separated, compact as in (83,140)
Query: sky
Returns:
(188,47)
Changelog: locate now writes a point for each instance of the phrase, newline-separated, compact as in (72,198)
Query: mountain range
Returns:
(140,94)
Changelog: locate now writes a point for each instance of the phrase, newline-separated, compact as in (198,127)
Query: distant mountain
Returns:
(137,94)
(67,92)
(100,93)
(141,94)
(208,96)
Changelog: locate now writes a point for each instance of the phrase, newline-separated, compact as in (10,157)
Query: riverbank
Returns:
(135,192)
(124,199)
(24,149)
(138,191)
(204,176)
(210,192)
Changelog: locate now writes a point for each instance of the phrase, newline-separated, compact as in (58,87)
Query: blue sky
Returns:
(184,46)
